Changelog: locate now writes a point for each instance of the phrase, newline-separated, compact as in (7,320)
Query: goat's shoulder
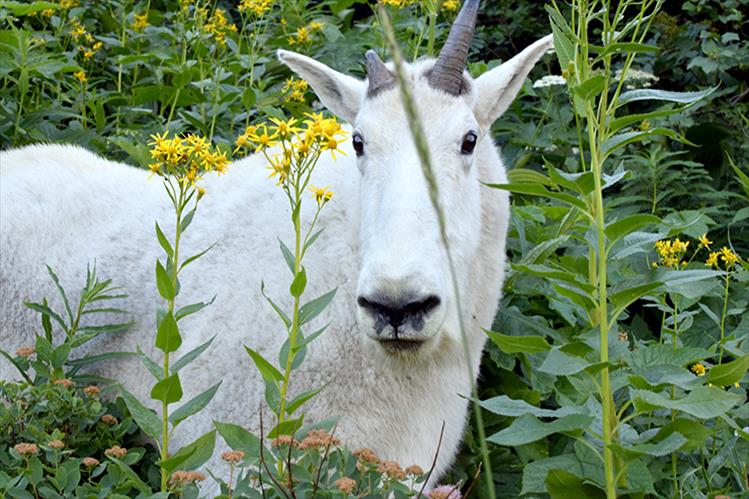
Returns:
(45,158)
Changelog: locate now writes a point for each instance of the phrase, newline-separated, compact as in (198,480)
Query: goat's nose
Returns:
(398,312)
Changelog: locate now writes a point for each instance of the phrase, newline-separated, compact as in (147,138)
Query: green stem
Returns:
(723,318)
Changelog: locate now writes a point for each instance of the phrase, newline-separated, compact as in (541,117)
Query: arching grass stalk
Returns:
(421,146)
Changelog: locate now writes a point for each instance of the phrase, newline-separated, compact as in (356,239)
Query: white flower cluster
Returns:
(549,81)
(637,78)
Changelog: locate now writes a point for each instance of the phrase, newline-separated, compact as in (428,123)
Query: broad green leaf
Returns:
(540,190)
(164,282)
(622,139)
(552,273)
(191,355)
(671,443)
(729,373)
(313,308)
(147,419)
(505,406)
(20,9)
(299,283)
(663,95)
(622,298)
(267,370)
(194,405)
(163,241)
(655,355)
(167,390)
(237,438)
(591,87)
(629,119)
(168,338)
(528,176)
(561,484)
(193,308)
(131,476)
(528,428)
(563,37)
(288,427)
(560,363)
(703,402)
(655,377)
(695,432)
(156,370)
(273,396)
(620,228)
(535,473)
(193,455)
(518,344)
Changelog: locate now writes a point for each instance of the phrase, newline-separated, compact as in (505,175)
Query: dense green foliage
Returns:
(102,75)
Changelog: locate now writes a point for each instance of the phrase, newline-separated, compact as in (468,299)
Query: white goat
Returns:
(393,354)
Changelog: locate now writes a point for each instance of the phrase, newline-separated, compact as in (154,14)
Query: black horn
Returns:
(447,74)
(378,74)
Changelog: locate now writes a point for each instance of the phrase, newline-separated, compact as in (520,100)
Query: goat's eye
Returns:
(469,143)
(358,143)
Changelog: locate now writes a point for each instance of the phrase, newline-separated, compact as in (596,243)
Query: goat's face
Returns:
(405,297)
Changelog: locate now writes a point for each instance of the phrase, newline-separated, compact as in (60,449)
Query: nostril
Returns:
(427,304)
(398,312)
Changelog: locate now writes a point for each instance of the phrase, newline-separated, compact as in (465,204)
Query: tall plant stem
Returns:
(723,318)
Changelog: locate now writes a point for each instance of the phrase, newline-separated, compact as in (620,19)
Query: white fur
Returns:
(66,207)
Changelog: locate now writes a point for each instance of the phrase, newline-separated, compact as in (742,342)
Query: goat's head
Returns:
(405,296)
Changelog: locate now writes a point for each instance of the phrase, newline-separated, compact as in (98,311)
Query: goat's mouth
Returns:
(400,345)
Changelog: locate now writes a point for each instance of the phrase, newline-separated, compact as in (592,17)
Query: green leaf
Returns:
(191,355)
(622,139)
(655,377)
(298,284)
(539,190)
(196,256)
(703,402)
(278,310)
(147,419)
(552,273)
(590,87)
(288,427)
(267,370)
(663,95)
(620,228)
(528,176)
(45,310)
(193,308)
(61,291)
(237,438)
(288,256)
(561,484)
(194,405)
(670,444)
(164,282)
(518,344)
(156,370)
(622,298)
(564,45)
(93,359)
(187,220)
(192,455)
(131,476)
(655,355)
(535,473)
(505,406)
(20,9)
(629,119)
(312,240)
(695,432)
(528,428)
(729,373)
(167,390)
(560,363)
(614,48)
(313,308)
(163,241)
(300,399)
(168,338)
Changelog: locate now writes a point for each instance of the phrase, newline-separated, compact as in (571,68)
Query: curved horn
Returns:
(447,73)
(378,74)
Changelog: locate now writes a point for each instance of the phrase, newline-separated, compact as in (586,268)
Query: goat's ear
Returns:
(341,94)
(496,89)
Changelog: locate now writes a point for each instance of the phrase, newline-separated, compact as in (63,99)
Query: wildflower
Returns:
(26,449)
(218,26)
(88,54)
(321,195)
(284,440)
(712,260)
(550,81)
(283,128)
(414,470)
(399,4)
(317,439)
(109,419)
(256,7)
(728,257)
(315,26)
(262,139)
(232,456)
(78,30)
(671,252)
(451,5)
(365,455)
(140,22)
(90,462)
(64,382)
(181,478)
(699,369)
(345,485)
(25,351)
(392,470)
(637,78)
(303,35)
(444,492)
(704,241)
(56,444)
(81,75)
(116,452)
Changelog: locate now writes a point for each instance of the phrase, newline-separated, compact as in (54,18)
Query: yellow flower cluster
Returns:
(218,26)
(303,35)
(451,5)
(185,158)
(89,46)
(322,195)
(140,22)
(256,7)
(671,253)
(300,147)
(294,89)
(81,76)
(399,3)
(699,369)
(727,256)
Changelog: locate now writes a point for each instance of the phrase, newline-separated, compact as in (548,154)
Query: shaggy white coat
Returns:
(66,207)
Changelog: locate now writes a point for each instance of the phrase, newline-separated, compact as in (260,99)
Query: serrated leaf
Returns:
(518,344)
(167,390)
(168,338)
(194,405)
(528,428)
(266,369)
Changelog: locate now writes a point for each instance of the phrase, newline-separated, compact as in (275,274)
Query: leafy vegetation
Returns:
(617,362)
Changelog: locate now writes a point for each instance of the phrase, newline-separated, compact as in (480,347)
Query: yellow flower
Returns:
(704,241)
(321,195)
(81,75)
(140,22)
(303,35)
(398,3)
(257,7)
(88,54)
(315,25)
(283,128)
(699,369)
(728,257)
(712,260)
(262,139)
(671,252)
(451,5)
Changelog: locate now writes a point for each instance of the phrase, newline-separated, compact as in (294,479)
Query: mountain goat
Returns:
(393,355)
